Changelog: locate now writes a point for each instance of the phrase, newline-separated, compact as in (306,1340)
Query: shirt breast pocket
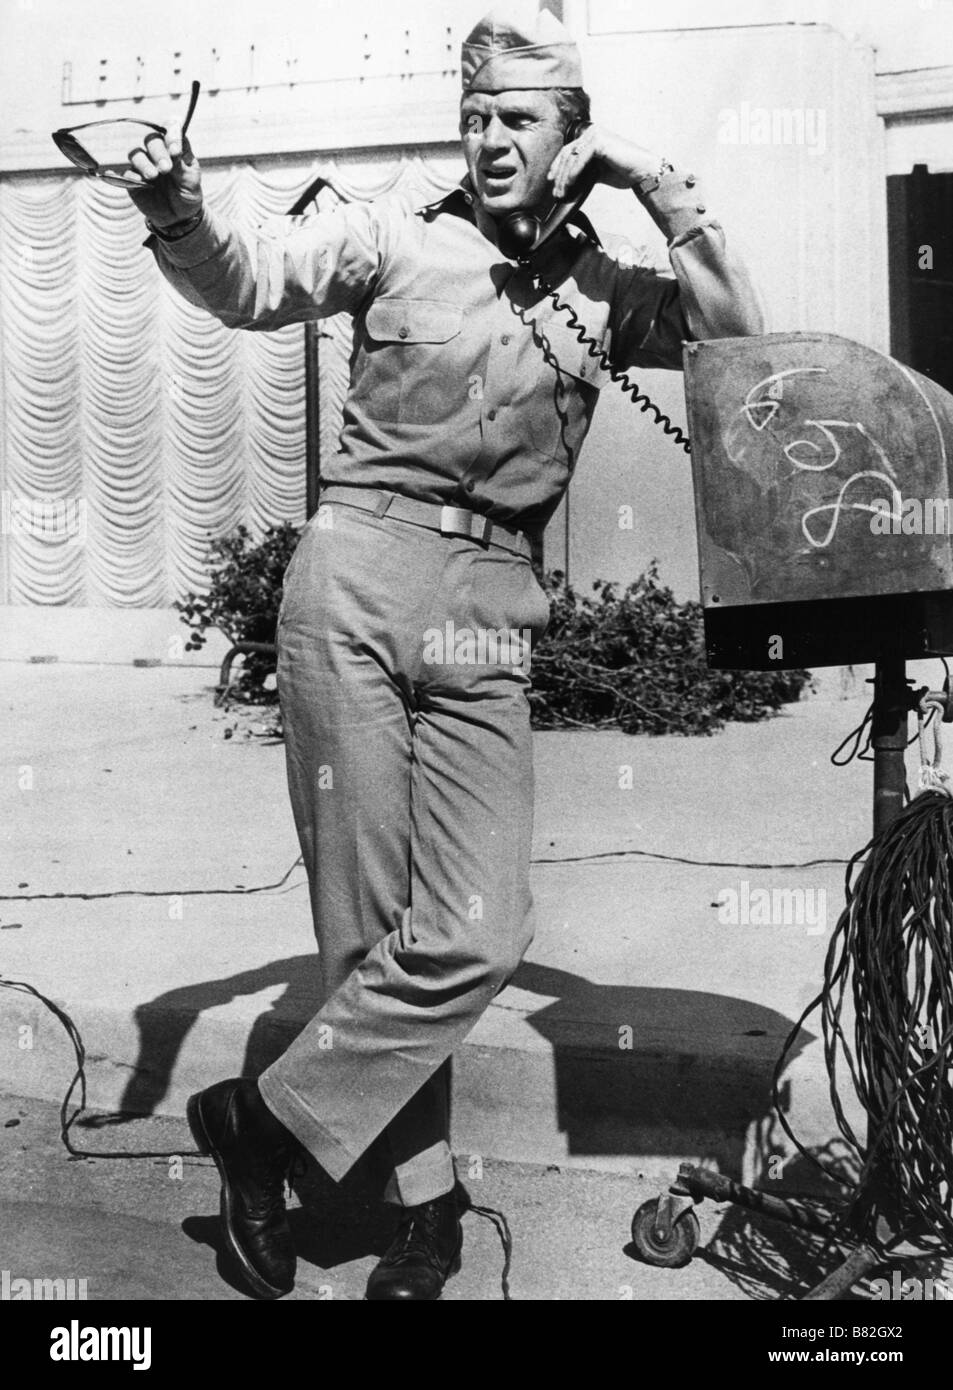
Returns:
(411,360)
(570,380)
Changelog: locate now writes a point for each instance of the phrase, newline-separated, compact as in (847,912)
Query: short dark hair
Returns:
(573,104)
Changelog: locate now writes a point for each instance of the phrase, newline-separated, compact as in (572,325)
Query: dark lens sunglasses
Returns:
(67,143)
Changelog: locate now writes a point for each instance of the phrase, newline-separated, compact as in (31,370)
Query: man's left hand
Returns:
(619,162)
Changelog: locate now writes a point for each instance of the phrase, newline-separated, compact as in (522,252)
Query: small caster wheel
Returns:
(673,1253)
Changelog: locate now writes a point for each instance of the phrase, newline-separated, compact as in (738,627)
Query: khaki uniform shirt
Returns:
(467,386)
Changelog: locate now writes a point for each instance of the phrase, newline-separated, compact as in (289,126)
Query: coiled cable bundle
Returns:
(891,958)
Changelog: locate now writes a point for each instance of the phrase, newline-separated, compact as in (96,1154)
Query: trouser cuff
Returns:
(288,1107)
(423,1178)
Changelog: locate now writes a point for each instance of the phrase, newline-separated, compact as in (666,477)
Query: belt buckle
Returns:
(457,521)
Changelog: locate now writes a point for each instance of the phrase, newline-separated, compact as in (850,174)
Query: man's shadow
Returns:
(336,1222)
(648,1071)
(638,1070)
(164,1024)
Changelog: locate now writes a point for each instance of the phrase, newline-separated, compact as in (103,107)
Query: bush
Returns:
(244,595)
(633,660)
(636,661)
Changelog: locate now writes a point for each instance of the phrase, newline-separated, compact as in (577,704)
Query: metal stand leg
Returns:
(876,1213)
(662,1231)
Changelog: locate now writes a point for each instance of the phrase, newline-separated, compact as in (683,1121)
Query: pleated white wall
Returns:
(117,395)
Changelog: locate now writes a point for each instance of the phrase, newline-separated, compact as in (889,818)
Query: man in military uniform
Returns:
(410,777)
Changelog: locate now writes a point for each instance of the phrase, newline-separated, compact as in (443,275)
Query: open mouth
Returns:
(499,175)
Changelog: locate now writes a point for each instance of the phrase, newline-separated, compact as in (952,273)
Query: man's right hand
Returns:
(171,189)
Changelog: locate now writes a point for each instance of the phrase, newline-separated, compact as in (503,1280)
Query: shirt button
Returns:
(491,415)
(402,332)
(700,207)
(471,487)
(505,339)
(690,181)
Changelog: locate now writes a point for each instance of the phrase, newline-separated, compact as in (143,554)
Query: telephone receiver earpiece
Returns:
(520,234)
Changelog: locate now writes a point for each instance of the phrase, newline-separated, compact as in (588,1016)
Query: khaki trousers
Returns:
(410,773)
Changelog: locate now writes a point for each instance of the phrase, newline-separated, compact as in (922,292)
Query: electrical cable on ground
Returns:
(67,1120)
(914,1136)
(150,892)
(600,857)
(891,957)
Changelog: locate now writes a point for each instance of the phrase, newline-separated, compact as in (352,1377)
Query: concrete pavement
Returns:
(641,1030)
(148,1229)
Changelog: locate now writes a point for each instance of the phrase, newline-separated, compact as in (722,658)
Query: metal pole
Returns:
(312,417)
(889,739)
(877,1212)
(878,1209)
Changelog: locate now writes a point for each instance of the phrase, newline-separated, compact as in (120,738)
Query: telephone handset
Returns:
(521,235)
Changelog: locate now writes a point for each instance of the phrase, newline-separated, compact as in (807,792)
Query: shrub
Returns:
(243,598)
(633,660)
(636,661)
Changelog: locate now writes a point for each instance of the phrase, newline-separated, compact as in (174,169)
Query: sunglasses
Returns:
(104,152)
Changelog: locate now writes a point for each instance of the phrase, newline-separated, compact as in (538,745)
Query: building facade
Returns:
(140,428)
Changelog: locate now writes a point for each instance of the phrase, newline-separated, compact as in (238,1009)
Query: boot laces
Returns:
(268,1173)
(418,1235)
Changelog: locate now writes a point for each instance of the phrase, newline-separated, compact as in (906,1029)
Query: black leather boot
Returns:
(253,1153)
(423,1255)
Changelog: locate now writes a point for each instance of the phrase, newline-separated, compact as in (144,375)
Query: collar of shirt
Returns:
(460,198)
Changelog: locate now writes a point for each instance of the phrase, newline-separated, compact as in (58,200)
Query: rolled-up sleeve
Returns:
(291,270)
(707,293)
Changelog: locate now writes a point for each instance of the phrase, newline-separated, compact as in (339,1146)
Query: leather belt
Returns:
(449,521)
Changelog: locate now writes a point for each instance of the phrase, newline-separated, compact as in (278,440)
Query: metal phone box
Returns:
(823,501)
